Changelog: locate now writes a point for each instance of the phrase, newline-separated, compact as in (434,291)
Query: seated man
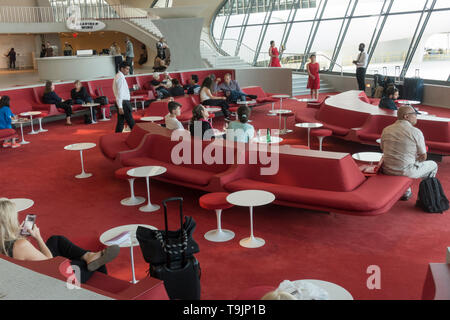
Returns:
(172,123)
(192,87)
(387,102)
(232,90)
(404,149)
(80,95)
(176,90)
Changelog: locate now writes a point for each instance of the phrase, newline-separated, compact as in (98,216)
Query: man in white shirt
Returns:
(172,123)
(404,149)
(361,65)
(122,95)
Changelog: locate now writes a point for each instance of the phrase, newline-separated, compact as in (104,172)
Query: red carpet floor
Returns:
(300,244)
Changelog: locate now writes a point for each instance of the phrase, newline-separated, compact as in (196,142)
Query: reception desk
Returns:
(71,68)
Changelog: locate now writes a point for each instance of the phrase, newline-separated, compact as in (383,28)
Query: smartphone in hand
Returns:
(28,224)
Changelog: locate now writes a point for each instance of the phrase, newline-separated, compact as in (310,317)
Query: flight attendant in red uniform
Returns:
(274,54)
(313,79)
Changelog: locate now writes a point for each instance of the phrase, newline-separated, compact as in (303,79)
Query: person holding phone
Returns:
(14,243)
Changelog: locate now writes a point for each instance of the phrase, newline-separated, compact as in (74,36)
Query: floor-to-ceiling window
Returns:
(402,37)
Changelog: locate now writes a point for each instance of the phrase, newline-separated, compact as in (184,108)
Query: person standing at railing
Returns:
(114,50)
(129,54)
(361,65)
(313,79)
(274,55)
(12,58)
(49,50)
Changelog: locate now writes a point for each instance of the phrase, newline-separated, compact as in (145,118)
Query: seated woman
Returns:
(240,131)
(199,123)
(6,116)
(51,97)
(172,123)
(18,247)
(160,88)
(159,65)
(207,99)
(80,95)
(387,102)
(176,90)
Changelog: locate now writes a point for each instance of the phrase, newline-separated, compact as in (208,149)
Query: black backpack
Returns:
(431,196)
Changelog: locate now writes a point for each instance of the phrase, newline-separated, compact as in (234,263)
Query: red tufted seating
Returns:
(320,134)
(132,200)
(7,134)
(217,201)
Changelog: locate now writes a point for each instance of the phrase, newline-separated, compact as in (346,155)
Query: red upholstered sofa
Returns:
(114,143)
(310,179)
(262,97)
(202,74)
(340,121)
(157,150)
(373,127)
(145,289)
(363,97)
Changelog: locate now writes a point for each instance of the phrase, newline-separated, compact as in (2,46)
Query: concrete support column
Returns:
(183,38)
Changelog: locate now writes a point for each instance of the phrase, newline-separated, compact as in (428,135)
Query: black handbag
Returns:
(159,245)
(102,100)
(170,254)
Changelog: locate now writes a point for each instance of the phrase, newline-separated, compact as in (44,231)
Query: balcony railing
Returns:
(60,13)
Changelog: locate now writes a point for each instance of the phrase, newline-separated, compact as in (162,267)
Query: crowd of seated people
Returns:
(51,97)
(160,87)
(14,244)
(6,116)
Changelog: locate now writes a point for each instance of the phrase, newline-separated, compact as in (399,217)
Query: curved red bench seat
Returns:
(114,143)
(7,134)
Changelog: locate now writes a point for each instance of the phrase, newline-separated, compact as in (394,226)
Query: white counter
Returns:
(71,68)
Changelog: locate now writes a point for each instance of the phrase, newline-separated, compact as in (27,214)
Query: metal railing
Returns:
(60,13)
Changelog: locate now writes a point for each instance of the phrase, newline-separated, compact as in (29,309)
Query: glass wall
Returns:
(411,37)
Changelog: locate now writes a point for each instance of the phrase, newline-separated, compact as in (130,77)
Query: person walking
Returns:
(12,58)
(129,54)
(313,79)
(122,95)
(361,65)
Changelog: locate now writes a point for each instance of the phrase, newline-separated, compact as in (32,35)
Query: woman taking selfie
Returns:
(16,246)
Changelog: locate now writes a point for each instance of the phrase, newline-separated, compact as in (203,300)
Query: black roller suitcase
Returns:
(180,273)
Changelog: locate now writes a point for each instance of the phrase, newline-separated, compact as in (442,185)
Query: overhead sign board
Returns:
(74,22)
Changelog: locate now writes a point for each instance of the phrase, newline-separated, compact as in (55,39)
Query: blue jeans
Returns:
(234,95)
(88,100)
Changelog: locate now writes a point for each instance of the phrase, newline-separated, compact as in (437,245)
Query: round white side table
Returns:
(308,125)
(281,97)
(80,147)
(251,198)
(152,119)
(22,203)
(31,114)
(21,122)
(91,106)
(335,292)
(370,157)
(131,243)
(147,172)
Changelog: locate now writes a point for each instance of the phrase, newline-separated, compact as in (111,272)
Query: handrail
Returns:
(60,13)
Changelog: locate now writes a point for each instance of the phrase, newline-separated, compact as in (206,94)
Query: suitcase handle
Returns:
(172,199)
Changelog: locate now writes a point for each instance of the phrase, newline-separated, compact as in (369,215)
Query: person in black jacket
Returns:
(51,97)
(199,124)
(387,102)
(176,89)
(12,58)
(80,95)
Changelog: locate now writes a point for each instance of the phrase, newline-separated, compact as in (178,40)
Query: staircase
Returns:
(216,60)
(148,25)
(300,81)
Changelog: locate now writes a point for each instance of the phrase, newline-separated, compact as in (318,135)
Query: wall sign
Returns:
(75,23)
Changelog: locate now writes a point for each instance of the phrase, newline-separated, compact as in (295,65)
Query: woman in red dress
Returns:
(273,53)
(313,79)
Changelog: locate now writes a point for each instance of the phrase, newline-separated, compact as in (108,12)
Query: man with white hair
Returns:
(404,149)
